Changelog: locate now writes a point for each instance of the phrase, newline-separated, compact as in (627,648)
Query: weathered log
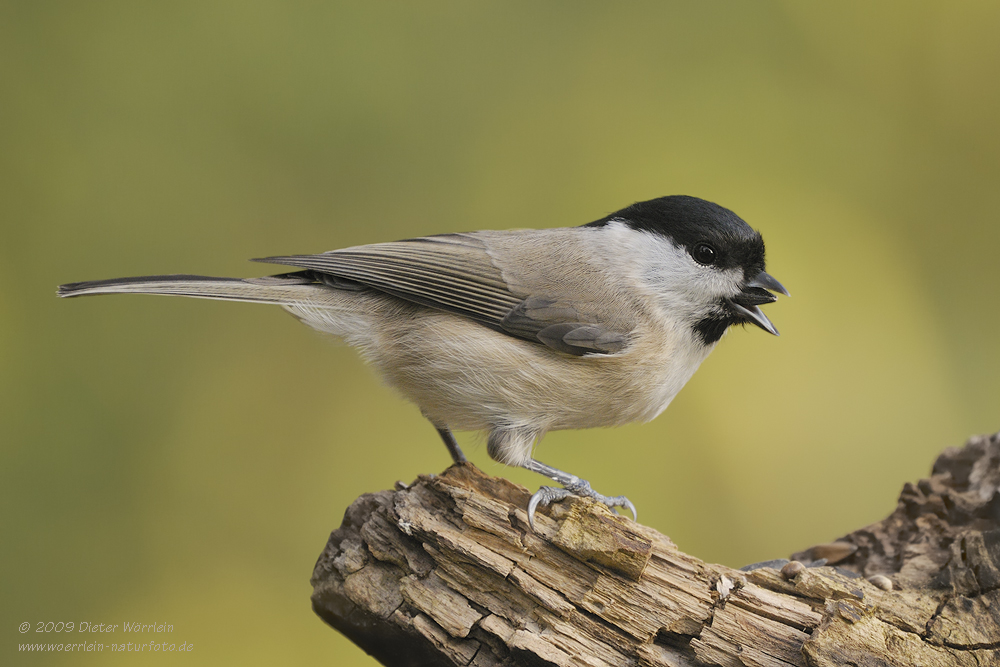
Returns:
(446,572)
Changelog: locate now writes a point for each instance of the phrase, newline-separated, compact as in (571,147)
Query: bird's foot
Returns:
(577,487)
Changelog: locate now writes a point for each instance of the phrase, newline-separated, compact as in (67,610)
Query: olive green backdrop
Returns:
(183,461)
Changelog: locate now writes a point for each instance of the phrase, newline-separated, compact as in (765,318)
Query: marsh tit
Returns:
(521,332)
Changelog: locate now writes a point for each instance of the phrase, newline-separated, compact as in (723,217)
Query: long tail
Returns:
(341,308)
(287,289)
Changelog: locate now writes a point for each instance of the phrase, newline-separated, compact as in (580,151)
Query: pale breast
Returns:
(469,377)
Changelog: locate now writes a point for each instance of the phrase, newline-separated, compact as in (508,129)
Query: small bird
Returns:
(521,332)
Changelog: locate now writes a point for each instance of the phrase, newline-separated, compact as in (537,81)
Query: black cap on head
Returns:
(691,222)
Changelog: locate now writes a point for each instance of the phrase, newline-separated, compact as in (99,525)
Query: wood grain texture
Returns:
(446,572)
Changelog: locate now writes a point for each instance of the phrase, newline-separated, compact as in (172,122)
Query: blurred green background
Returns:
(183,461)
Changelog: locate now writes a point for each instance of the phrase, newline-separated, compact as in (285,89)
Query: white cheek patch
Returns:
(685,289)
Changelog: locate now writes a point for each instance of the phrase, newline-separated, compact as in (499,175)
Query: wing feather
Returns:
(450,272)
(456,273)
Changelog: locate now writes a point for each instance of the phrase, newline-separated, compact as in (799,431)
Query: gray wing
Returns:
(560,325)
(456,273)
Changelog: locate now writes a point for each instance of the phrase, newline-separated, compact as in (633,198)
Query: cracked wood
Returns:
(446,572)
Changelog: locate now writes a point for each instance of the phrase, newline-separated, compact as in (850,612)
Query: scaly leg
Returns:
(511,445)
(572,486)
(449,441)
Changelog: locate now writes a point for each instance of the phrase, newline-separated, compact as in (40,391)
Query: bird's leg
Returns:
(449,441)
(512,445)
(572,485)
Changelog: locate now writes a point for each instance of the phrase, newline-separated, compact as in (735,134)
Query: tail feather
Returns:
(284,289)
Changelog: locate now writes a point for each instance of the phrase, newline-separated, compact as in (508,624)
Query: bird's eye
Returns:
(704,254)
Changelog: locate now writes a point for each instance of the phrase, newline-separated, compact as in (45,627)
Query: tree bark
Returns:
(446,572)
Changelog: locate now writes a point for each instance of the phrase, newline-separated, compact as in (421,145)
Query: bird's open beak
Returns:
(767,281)
(754,294)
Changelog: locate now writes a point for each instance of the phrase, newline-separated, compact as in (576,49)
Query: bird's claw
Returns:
(549,494)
